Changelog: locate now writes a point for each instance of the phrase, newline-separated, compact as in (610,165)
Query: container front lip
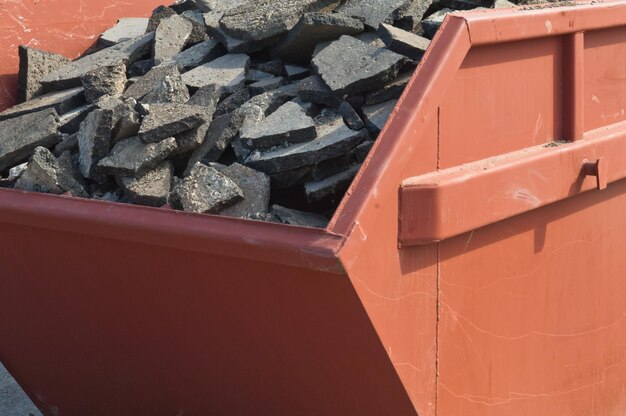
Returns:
(233,237)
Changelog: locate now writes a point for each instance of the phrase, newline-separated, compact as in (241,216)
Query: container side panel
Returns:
(605,77)
(505,97)
(533,318)
(67,27)
(399,288)
(104,327)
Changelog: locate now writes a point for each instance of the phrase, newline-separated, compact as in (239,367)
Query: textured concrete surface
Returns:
(13,400)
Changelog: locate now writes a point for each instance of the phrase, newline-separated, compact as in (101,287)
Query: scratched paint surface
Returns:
(67,27)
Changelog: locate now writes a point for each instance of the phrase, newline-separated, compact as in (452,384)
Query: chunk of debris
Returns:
(68,142)
(34,65)
(310,109)
(391,91)
(371,39)
(313,89)
(350,116)
(205,190)
(227,72)
(433,22)
(207,97)
(218,5)
(199,30)
(409,16)
(69,123)
(41,173)
(233,102)
(132,157)
(363,150)
(255,186)
(160,85)
(152,188)
(126,52)
(255,75)
(376,116)
(167,120)
(463,4)
(171,37)
(94,142)
(105,80)
(190,140)
(334,139)
(61,102)
(22,135)
(350,67)
(312,29)
(503,4)
(140,68)
(125,29)
(330,189)
(270,101)
(405,43)
(287,124)
(266,85)
(16,172)
(158,15)
(299,218)
(372,12)
(274,67)
(198,54)
(267,19)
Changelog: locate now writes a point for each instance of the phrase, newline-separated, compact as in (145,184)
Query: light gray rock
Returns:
(132,157)
(205,190)
(34,65)
(227,72)
(218,5)
(372,12)
(158,15)
(198,54)
(266,85)
(255,186)
(160,85)
(168,120)
(171,37)
(376,116)
(106,80)
(150,189)
(94,142)
(405,43)
(199,30)
(126,29)
(61,102)
(22,135)
(288,124)
(44,173)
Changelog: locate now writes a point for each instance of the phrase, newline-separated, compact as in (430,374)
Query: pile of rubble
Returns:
(254,109)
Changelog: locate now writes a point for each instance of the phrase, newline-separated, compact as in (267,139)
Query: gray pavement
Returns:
(13,400)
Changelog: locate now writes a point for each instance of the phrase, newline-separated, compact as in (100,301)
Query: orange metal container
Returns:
(475,266)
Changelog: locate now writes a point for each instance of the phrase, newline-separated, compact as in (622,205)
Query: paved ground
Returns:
(13,401)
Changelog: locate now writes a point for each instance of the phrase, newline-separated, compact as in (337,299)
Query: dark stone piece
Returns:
(227,72)
(140,68)
(171,37)
(94,142)
(288,124)
(168,120)
(152,188)
(391,91)
(198,54)
(314,90)
(34,65)
(296,73)
(255,186)
(205,190)
(132,157)
(405,43)
(372,12)
(158,15)
(125,29)
(233,102)
(299,218)
(331,189)
(106,80)
(351,117)
(266,85)
(376,116)
(432,23)
(61,102)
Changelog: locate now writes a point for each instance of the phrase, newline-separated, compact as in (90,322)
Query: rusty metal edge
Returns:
(253,240)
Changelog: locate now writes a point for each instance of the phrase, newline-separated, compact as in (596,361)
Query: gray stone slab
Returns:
(60,101)
(198,54)
(233,102)
(255,186)
(255,75)
(409,16)
(140,68)
(152,188)
(350,67)
(351,117)
(227,72)
(310,109)
(171,37)
(432,23)
(296,72)
(106,80)
(170,88)
(218,5)
(132,157)
(125,52)
(334,139)
(199,30)
(207,97)
(168,120)
(190,140)
(158,15)
(405,43)
(126,29)
(69,123)
(270,101)
(266,85)
(41,174)
(370,38)
(34,65)
(94,142)
(205,190)
(21,135)
(67,142)
(288,124)
(391,91)
(299,218)
(376,116)
(372,12)
(330,189)
(313,89)
(312,29)
(363,150)
(503,4)
(275,67)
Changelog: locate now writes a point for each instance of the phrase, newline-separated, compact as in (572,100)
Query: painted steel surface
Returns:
(522,314)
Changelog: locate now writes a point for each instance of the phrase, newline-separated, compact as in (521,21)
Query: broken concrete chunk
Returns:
(391,91)
(125,29)
(503,4)
(255,186)
(94,142)
(40,174)
(140,68)
(310,109)
(233,102)
(288,124)
(69,176)
(376,116)
(16,171)
(106,80)
(205,190)
(331,188)
(334,139)
(181,6)
(405,43)
(218,5)
(227,72)
(68,142)
(274,67)
(132,157)
(314,90)
(363,150)
(152,188)
(312,29)
(198,54)
(296,73)
(61,102)
(299,218)
(207,97)
(21,135)
(232,44)
(266,85)
(409,16)
(171,37)
(433,22)
(270,101)
(170,88)
(199,30)
(190,140)
(267,19)
(167,120)
(350,116)
(350,67)
(34,65)
(69,123)
(125,52)
(372,12)
(158,15)
(254,75)
(371,39)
